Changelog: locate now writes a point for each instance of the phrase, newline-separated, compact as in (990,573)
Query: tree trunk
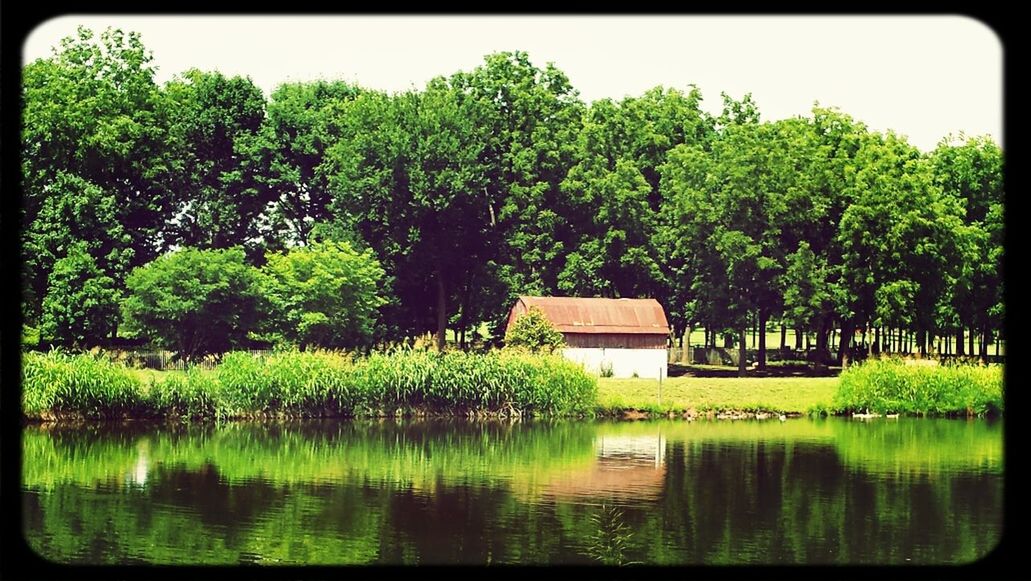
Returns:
(687,352)
(959,341)
(754,326)
(845,344)
(822,337)
(921,339)
(877,341)
(762,341)
(461,339)
(783,336)
(441,310)
(984,344)
(971,341)
(741,353)
(798,338)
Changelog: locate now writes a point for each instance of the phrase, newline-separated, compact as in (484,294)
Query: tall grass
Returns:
(891,386)
(310,384)
(55,384)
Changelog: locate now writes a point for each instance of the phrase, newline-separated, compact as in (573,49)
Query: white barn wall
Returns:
(625,362)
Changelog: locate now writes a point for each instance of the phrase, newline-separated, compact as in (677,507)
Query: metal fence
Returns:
(167,360)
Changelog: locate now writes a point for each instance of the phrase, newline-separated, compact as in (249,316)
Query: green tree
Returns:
(213,130)
(194,302)
(407,176)
(295,136)
(970,171)
(533,331)
(532,116)
(75,212)
(727,209)
(902,240)
(81,305)
(91,114)
(325,295)
(615,187)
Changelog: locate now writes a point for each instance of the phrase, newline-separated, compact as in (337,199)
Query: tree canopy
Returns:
(383,216)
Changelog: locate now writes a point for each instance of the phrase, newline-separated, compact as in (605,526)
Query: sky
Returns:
(924,77)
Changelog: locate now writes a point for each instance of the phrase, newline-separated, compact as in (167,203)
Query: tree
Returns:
(194,302)
(531,117)
(407,176)
(615,187)
(902,240)
(533,331)
(93,111)
(213,131)
(325,294)
(75,213)
(970,171)
(295,136)
(81,304)
(729,205)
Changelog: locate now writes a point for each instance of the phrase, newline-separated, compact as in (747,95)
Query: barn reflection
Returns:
(627,469)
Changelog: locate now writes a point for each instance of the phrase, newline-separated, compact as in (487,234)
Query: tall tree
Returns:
(407,174)
(902,239)
(214,125)
(970,171)
(531,117)
(91,114)
(296,133)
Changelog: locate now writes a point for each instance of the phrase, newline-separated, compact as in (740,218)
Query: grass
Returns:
(893,386)
(778,394)
(309,384)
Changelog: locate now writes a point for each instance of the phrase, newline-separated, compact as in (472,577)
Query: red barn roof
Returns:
(591,315)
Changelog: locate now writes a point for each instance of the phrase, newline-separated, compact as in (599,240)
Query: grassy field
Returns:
(781,394)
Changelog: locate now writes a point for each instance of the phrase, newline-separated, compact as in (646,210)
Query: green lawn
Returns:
(783,394)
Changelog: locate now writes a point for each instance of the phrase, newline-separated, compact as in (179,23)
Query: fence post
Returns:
(660,387)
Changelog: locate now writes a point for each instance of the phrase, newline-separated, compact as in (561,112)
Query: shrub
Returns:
(81,304)
(194,302)
(325,294)
(533,331)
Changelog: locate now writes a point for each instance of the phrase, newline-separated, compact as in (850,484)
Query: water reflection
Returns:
(906,491)
(626,469)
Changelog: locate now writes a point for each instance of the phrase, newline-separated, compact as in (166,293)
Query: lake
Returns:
(832,491)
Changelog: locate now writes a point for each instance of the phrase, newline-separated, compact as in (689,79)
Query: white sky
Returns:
(924,77)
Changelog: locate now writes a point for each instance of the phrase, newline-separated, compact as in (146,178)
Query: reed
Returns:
(893,386)
(310,384)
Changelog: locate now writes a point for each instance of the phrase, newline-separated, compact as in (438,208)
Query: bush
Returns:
(891,386)
(81,304)
(325,294)
(194,302)
(533,331)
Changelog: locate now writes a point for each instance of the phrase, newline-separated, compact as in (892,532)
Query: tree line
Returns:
(492,183)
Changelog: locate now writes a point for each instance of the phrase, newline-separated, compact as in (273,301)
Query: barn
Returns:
(628,336)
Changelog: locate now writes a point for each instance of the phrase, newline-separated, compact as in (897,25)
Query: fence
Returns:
(167,360)
(702,355)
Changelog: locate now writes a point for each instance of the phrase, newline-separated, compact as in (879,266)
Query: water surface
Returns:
(907,491)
